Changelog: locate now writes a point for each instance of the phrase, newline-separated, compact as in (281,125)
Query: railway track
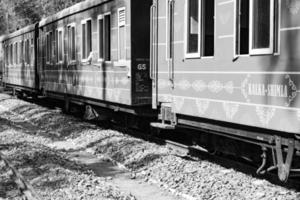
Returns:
(195,153)
(23,185)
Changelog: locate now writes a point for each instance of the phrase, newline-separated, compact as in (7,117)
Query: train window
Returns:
(100,37)
(16,53)
(243,27)
(27,51)
(200,29)
(86,38)
(60,46)
(31,56)
(256,27)
(107,27)
(193,28)
(11,54)
(21,52)
(71,42)
(208,27)
(6,55)
(122,33)
(104,37)
(262,26)
(48,47)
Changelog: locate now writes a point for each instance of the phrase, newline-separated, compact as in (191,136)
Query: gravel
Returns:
(39,144)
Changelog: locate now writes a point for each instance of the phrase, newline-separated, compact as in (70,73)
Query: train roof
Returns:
(18,32)
(79,7)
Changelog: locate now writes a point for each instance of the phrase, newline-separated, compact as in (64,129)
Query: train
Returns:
(226,68)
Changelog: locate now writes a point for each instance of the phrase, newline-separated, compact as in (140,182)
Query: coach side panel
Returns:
(90,66)
(243,80)
(20,61)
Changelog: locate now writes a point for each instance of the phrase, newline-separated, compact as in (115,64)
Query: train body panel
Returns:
(108,64)
(220,67)
(19,59)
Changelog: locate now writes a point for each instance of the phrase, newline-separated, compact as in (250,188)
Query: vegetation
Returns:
(16,14)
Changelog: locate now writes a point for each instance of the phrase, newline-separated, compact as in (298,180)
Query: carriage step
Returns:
(162,126)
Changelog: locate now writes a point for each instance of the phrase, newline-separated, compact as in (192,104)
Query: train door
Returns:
(164,62)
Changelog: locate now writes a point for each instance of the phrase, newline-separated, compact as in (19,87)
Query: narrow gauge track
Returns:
(182,150)
(24,187)
(196,153)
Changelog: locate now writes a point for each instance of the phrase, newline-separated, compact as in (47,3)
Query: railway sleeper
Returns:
(283,149)
(25,188)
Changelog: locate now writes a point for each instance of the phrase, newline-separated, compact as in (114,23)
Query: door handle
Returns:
(151,43)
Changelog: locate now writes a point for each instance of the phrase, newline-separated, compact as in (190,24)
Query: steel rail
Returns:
(23,185)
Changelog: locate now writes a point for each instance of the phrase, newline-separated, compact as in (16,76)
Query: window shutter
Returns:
(122,17)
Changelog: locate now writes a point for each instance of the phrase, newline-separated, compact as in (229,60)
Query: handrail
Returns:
(151,43)
(170,39)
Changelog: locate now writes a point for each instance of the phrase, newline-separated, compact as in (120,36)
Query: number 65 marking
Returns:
(142,67)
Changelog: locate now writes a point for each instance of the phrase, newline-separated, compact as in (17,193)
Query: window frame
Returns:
(262,51)
(6,54)
(15,53)
(31,51)
(105,43)
(101,17)
(60,29)
(122,25)
(47,35)
(27,53)
(21,52)
(11,52)
(198,53)
(70,60)
(86,36)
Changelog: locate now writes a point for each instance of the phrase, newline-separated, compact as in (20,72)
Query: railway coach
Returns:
(231,67)
(19,63)
(97,52)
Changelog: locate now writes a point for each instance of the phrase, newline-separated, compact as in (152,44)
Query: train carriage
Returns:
(19,71)
(97,52)
(226,66)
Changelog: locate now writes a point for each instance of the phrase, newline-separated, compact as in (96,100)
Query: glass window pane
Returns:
(193,26)
(73,44)
(60,50)
(107,37)
(261,24)
(83,41)
(89,37)
(101,38)
(208,27)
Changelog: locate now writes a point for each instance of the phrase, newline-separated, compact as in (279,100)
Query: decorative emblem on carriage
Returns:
(202,106)
(230,109)
(265,114)
(184,85)
(229,87)
(293,6)
(199,86)
(215,86)
(293,90)
(281,88)
(178,102)
(244,87)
